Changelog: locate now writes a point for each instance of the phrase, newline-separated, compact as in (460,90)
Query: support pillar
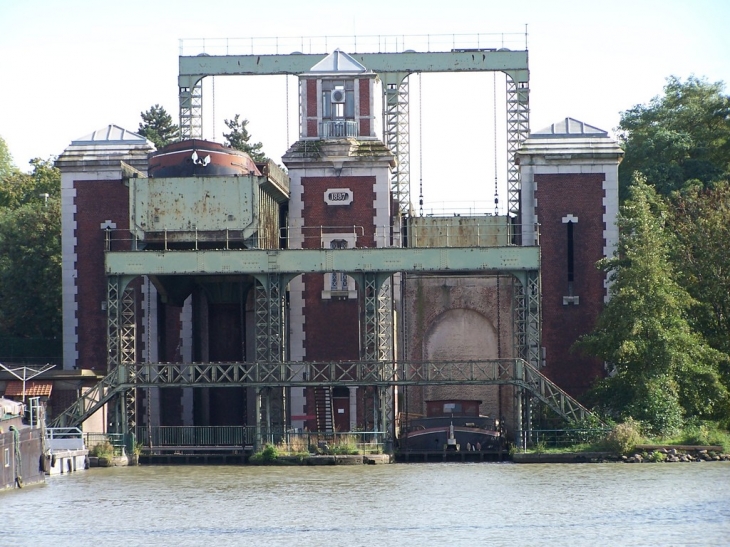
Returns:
(270,336)
(396,134)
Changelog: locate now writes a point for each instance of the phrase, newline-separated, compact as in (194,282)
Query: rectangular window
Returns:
(7,457)
(571,263)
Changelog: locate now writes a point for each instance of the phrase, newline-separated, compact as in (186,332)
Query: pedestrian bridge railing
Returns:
(516,372)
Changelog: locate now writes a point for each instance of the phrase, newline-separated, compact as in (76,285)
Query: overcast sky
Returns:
(71,67)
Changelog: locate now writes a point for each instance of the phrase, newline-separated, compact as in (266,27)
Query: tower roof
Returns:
(111,134)
(568,140)
(105,148)
(338,62)
(569,127)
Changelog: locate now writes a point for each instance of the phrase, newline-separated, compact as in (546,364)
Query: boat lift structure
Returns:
(272,270)
(371,268)
(394,69)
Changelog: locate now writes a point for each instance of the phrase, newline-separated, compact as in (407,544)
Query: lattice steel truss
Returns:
(129,356)
(370,319)
(112,322)
(191,111)
(270,346)
(396,134)
(386,394)
(526,320)
(518,129)
(515,372)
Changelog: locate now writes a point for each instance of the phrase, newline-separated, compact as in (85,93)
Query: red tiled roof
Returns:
(14,388)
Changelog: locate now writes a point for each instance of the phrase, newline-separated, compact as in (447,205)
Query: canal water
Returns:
(402,504)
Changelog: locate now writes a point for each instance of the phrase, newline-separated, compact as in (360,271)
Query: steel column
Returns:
(191,109)
(396,135)
(270,333)
(112,322)
(518,129)
(129,356)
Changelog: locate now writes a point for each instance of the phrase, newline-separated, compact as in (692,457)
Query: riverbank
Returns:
(642,454)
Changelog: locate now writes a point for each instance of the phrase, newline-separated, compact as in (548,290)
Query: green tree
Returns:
(680,136)
(663,370)
(30,269)
(700,225)
(6,160)
(239,136)
(18,188)
(157,126)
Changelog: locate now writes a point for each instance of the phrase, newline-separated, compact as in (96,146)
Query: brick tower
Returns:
(340,199)
(569,176)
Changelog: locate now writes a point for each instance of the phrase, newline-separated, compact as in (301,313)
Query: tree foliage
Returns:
(30,269)
(157,126)
(30,251)
(700,225)
(239,137)
(18,188)
(6,160)
(681,136)
(663,369)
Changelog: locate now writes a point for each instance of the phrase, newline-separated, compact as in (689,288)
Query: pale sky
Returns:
(71,67)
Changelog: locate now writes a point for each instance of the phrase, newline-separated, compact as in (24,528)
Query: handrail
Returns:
(324,374)
(449,232)
(380,43)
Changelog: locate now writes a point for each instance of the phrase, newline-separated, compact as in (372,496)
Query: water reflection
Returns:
(414,504)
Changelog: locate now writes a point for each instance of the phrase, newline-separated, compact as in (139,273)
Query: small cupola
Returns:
(337,99)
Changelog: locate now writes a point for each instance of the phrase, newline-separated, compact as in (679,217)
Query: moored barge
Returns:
(452,425)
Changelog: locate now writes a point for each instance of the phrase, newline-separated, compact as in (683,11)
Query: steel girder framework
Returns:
(191,111)
(393,69)
(121,347)
(518,129)
(270,347)
(527,342)
(396,134)
(260,375)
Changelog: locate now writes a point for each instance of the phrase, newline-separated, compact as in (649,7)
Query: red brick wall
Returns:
(581,195)
(96,202)
(364,93)
(358,213)
(331,328)
(311,108)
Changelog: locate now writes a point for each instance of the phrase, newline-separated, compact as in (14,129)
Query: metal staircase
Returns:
(540,386)
(322,377)
(90,401)
(323,409)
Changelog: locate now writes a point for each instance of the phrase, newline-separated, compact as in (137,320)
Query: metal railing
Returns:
(171,437)
(374,43)
(338,129)
(432,231)
(118,441)
(515,372)
(161,439)
(562,438)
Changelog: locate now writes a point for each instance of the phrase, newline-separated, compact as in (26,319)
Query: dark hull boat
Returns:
(452,425)
(21,448)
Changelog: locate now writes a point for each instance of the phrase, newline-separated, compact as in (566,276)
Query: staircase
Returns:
(323,409)
(550,394)
(89,402)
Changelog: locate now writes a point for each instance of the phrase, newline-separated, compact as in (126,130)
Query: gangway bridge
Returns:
(260,375)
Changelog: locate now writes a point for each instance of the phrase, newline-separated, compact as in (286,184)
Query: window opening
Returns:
(338,280)
(571,264)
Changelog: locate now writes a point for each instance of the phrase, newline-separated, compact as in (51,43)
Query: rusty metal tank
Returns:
(196,157)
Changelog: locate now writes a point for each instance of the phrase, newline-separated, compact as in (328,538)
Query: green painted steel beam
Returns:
(295,261)
(515,63)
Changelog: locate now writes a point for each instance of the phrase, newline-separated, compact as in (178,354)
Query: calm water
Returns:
(416,504)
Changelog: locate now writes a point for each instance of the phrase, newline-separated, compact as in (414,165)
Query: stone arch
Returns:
(462,333)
